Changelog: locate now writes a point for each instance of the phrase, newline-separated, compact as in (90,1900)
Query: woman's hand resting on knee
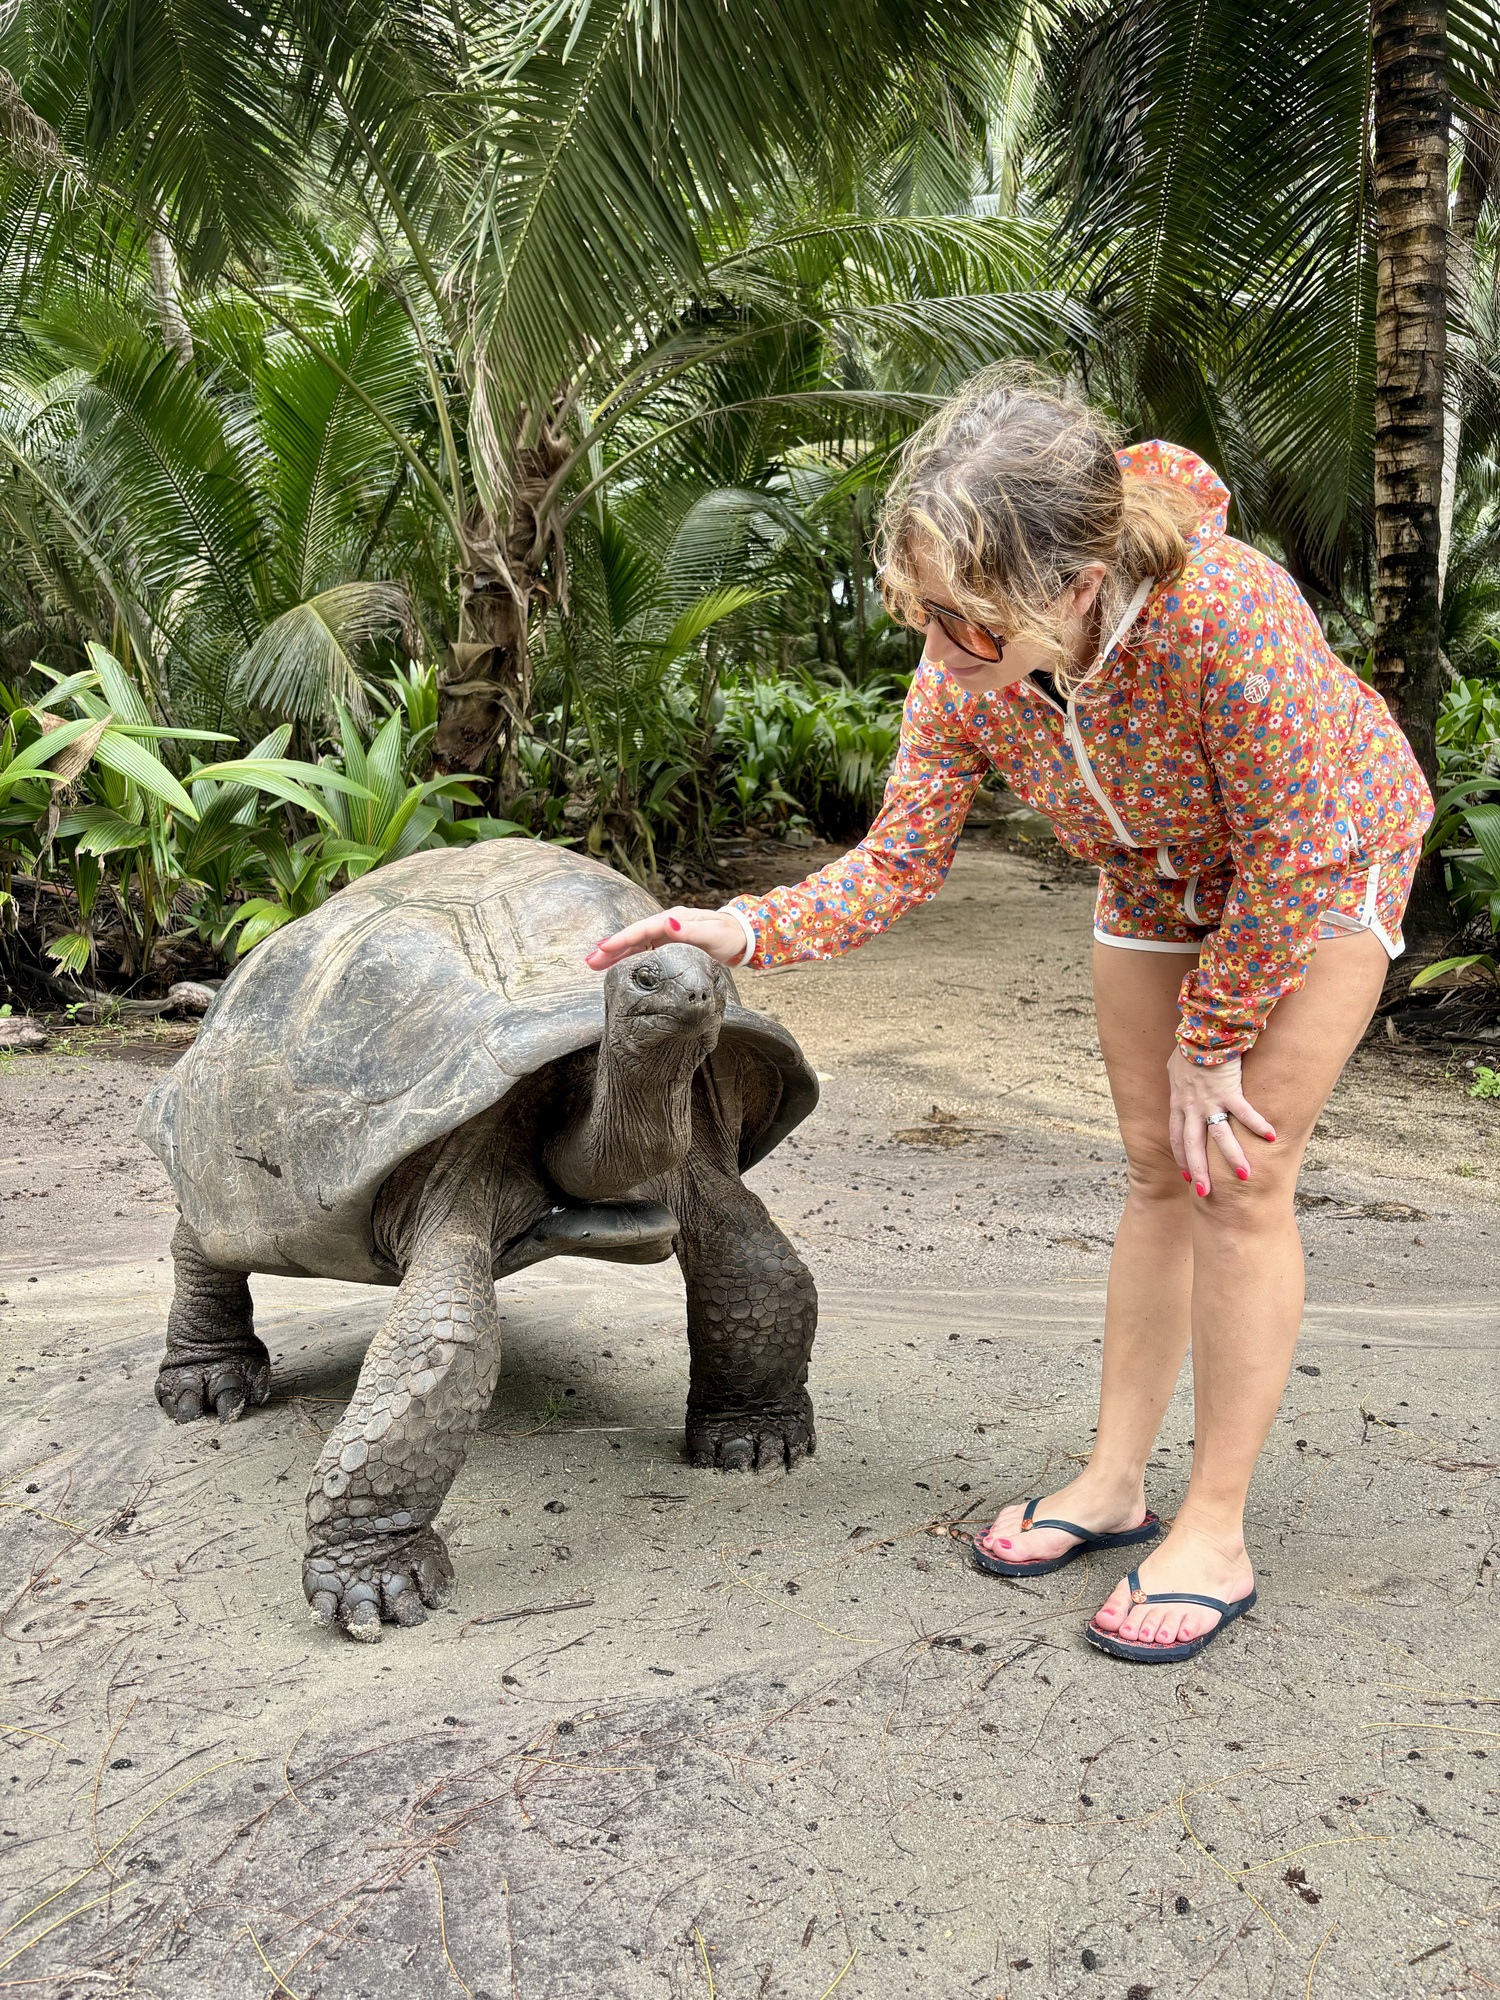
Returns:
(1199,1094)
(721,936)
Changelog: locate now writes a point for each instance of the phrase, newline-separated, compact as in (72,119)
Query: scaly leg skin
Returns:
(214,1360)
(752,1314)
(427,1380)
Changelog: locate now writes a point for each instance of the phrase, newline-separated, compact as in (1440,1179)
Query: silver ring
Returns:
(1217,1118)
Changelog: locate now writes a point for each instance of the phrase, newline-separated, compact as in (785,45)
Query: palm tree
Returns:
(549,192)
(1263,193)
(1412,109)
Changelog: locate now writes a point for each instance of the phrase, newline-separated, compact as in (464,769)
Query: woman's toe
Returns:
(1111,1611)
(1169,1628)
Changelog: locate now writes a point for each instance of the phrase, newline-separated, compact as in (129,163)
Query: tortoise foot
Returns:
(357,1584)
(769,1439)
(223,1386)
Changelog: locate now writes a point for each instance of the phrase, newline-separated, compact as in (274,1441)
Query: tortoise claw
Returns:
(769,1440)
(391,1578)
(227,1385)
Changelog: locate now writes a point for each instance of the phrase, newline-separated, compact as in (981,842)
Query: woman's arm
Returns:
(902,860)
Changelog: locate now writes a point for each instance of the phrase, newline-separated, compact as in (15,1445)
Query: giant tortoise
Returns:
(421,1084)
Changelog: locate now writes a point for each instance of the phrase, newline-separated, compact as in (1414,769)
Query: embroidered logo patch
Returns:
(1257,688)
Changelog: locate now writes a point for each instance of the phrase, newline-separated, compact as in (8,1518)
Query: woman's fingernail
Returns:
(1199,1188)
(672,924)
(1242,1173)
(1186,1175)
(1270,1138)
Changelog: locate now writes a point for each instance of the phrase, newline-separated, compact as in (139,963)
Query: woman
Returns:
(1165,695)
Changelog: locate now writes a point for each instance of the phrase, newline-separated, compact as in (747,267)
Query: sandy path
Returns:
(769,1729)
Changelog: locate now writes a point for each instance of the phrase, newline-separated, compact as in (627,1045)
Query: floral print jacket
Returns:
(1224,754)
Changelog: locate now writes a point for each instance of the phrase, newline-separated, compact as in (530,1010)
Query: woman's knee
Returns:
(1152,1174)
(1238,1211)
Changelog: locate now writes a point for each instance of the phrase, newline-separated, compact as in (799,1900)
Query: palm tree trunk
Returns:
(166,287)
(484,692)
(1412,108)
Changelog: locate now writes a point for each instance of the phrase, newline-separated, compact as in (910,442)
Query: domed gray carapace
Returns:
(421,1084)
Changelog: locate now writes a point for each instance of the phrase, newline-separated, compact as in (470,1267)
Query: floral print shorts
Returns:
(1149,912)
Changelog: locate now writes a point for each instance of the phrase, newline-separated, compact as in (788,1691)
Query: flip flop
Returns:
(999,1566)
(1130,1649)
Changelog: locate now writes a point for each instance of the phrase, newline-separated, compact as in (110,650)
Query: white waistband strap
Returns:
(1190,899)
(1164,864)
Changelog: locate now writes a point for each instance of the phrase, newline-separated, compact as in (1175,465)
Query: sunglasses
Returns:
(977,640)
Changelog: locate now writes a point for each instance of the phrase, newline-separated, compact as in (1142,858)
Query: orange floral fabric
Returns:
(1237,754)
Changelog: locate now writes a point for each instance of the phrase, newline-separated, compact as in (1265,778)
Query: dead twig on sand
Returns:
(268,1965)
(286,1762)
(443,1930)
(1239,1937)
(1315,1957)
(510,1941)
(57,1924)
(1225,1872)
(843,1969)
(708,1969)
(526,1611)
(98,1776)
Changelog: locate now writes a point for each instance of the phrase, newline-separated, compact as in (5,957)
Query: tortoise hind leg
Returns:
(214,1359)
(752,1314)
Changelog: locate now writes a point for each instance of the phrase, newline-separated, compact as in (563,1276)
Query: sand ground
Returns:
(769,1737)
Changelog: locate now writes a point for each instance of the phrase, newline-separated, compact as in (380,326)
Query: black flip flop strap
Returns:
(1083,1534)
(1139,1596)
(1068,1528)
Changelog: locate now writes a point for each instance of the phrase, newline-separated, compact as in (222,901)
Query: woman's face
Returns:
(1019,658)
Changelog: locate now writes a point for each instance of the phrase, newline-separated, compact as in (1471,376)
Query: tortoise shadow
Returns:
(530,1389)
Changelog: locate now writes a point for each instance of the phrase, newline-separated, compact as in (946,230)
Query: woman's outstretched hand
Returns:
(721,937)
(1197,1094)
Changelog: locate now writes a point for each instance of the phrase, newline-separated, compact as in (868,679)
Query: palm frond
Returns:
(306,662)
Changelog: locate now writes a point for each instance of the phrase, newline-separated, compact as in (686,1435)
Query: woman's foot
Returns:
(1188,1559)
(1102,1510)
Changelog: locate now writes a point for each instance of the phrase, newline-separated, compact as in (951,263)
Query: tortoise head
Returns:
(675,994)
(662,1016)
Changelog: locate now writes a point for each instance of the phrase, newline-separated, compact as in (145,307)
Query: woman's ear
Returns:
(1083,590)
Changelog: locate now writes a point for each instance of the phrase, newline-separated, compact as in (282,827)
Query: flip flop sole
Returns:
(999,1566)
(1163,1656)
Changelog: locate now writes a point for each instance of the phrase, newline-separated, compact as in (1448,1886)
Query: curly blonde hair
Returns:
(1004,496)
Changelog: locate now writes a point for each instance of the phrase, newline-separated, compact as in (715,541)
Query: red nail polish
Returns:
(1199,1188)
(1002,1545)
(673,924)
(1270,1138)
(1242,1173)
(1186,1175)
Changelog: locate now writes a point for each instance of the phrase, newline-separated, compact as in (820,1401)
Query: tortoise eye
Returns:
(644,976)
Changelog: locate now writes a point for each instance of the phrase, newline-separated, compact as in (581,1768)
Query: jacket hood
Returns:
(1174,462)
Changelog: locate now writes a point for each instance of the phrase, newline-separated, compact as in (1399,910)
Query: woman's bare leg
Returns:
(1247,1274)
(1148,1311)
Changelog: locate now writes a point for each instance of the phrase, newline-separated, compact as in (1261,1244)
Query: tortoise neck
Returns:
(638,1123)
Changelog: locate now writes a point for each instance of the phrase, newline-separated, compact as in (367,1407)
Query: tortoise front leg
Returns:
(214,1361)
(752,1314)
(427,1380)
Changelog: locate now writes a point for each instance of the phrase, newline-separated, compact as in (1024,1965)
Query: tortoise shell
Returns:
(406,1005)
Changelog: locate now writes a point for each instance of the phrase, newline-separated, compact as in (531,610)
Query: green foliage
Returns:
(620,313)
(1466,824)
(94,809)
(1486,1082)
